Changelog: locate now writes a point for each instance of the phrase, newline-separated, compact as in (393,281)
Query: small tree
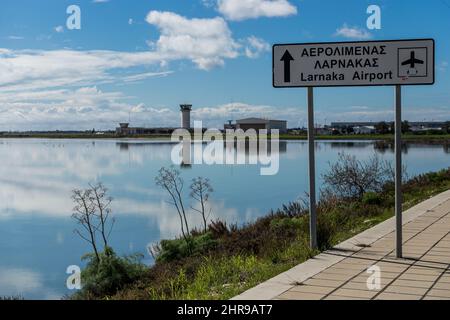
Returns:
(102,202)
(382,127)
(84,214)
(349,177)
(406,127)
(201,190)
(170,180)
(92,212)
(446,127)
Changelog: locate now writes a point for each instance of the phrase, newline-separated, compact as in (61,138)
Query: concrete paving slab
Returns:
(340,273)
(312,289)
(397,296)
(439,293)
(360,294)
(406,290)
(293,295)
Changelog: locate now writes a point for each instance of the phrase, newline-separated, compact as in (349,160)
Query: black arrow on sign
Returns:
(287,58)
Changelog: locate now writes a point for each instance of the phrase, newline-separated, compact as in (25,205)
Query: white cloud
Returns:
(81,109)
(58,89)
(353,33)
(216,116)
(59,29)
(142,76)
(44,37)
(209,3)
(15,38)
(207,42)
(89,107)
(255,46)
(27,189)
(250,9)
(38,69)
(14,281)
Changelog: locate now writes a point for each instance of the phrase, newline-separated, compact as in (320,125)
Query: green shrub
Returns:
(283,223)
(326,230)
(110,274)
(170,250)
(372,198)
(228,260)
(218,278)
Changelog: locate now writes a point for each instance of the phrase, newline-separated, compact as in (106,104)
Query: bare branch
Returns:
(170,180)
(200,192)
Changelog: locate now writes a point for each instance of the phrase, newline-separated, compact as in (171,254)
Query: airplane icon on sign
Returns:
(412,61)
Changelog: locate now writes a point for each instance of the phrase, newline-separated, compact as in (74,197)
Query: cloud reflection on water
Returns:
(39,175)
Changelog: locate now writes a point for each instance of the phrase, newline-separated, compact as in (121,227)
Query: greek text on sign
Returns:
(368,63)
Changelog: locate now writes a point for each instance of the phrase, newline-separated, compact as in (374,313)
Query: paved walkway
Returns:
(341,273)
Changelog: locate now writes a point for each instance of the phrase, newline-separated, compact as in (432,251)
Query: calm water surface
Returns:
(37,242)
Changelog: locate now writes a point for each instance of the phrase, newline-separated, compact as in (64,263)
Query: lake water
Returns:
(37,242)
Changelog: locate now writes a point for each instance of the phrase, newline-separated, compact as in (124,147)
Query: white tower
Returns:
(186,116)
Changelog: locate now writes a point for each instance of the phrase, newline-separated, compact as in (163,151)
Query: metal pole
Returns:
(312,171)
(398,170)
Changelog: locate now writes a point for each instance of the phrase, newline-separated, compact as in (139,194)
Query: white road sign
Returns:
(365,63)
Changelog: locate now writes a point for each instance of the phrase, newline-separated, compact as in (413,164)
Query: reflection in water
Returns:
(36,233)
(383,146)
(349,144)
(125,146)
(264,153)
(19,282)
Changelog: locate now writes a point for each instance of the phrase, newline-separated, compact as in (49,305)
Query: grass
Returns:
(218,278)
(228,260)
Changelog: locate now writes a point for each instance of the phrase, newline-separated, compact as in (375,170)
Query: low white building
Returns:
(260,124)
(364,130)
(423,129)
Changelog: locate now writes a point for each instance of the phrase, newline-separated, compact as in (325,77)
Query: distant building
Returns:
(186,116)
(125,130)
(230,125)
(340,125)
(364,130)
(418,124)
(373,127)
(424,128)
(258,124)
(323,131)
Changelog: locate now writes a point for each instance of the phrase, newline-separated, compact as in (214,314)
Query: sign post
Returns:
(398,171)
(362,63)
(312,171)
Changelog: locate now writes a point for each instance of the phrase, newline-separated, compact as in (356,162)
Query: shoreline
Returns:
(434,138)
(227,260)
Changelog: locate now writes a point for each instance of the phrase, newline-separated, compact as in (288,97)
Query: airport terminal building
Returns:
(259,124)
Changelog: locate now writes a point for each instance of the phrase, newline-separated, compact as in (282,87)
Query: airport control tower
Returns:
(186,116)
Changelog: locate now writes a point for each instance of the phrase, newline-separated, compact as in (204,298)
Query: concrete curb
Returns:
(274,287)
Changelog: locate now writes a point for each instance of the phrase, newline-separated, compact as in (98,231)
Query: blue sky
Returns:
(140,59)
